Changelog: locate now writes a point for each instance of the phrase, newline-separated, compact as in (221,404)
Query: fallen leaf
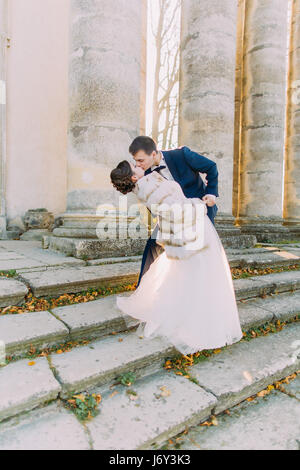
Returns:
(165,392)
(79,397)
(214,421)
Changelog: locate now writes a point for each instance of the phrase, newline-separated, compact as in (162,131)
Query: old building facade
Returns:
(72,97)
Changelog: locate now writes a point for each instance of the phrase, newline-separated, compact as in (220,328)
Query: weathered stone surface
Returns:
(49,428)
(264,72)
(291,208)
(35,234)
(38,219)
(269,423)
(293,388)
(164,405)
(94,249)
(119,259)
(55,282)
(262,260)
(29,255)
(105,360)
(12,292)
(208,60)
(94,318)
(245,368)
(283,306)
(39,329)
(255,312)
(266,284)
(24,387)
(21,263)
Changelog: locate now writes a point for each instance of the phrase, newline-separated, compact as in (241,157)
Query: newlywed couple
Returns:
(185,291)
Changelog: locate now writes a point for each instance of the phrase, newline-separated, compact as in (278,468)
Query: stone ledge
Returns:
(152,417)
(105,360)
(24,387)
(37,329)
(49,428)
(12,292)
(245,368)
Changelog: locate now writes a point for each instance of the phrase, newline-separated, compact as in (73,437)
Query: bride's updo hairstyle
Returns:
(121,177)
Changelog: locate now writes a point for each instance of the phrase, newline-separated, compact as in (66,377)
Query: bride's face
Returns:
(137,172)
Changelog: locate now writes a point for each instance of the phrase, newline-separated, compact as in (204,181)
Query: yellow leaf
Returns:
(214,421)
(165,392)
(80,397)
(59,351)
(31,363)
(262,393)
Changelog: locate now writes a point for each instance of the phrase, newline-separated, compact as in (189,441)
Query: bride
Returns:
(187,295)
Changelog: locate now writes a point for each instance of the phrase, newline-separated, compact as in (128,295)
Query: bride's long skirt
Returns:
(190,302)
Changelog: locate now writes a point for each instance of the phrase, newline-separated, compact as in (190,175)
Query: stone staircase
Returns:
(31,396)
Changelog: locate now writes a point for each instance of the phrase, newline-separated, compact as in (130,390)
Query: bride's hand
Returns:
(209,200)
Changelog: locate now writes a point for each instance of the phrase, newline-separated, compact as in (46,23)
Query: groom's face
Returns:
(144,161)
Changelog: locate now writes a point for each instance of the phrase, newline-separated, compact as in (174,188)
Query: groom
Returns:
(182,165)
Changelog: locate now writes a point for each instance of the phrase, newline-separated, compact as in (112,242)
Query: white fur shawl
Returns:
(181,220)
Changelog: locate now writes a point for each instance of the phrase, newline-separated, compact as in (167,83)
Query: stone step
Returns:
(126,353)
(24,387)
(255,286)
(164,404)
(53,275)
(105,360)
(50,428)
(84,247)
(36,329)
(271,422)
(238,372)
(272,259)
(86,320)
(56,282)
(12,292)
(98,318)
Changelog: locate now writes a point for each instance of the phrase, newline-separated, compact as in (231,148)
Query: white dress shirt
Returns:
(165,172)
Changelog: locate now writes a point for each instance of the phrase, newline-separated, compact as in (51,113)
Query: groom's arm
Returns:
(204,165)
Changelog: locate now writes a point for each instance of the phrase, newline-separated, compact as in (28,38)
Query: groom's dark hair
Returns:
(143,142)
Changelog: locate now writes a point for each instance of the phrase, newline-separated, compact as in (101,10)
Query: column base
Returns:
(3,232)
(92,236)
(231,235)
(266,229)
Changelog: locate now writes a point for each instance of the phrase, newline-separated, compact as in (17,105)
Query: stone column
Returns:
(292,156)
(238,98)
(207,87)
(105,100)
(263,118)
(3,48)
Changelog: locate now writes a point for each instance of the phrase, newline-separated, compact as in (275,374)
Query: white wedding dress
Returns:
(189,302)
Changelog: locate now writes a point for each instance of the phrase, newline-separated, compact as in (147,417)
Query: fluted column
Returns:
(105,93)
(207,87)
(3,48)
(263,112)
(106,112)
(292,156)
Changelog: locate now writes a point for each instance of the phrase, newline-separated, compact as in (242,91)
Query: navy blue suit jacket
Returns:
(185,165)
